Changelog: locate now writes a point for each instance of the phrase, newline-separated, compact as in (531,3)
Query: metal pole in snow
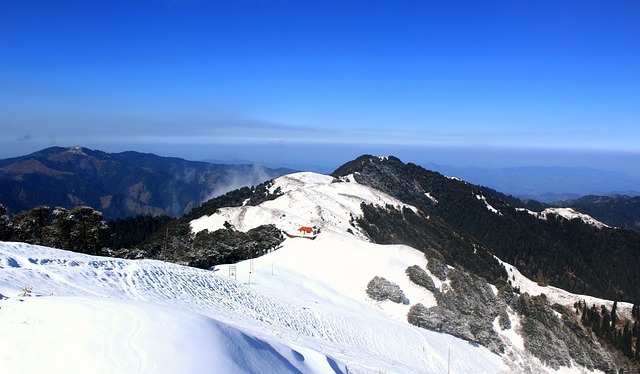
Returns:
(448,359)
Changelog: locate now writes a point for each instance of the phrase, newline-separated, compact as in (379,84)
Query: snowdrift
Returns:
(79,335)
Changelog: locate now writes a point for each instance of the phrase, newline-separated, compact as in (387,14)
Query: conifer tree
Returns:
(627,341)
(5,224)
(29,225)
(594,320)
(614,317)
(59,232)
(585,314)
(87,230)
(606,323)
(638,349)
(617,338)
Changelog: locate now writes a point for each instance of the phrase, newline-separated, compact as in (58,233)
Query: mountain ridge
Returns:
(557,251)
(119,184)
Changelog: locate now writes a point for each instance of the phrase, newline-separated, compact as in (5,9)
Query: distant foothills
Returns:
(119,184)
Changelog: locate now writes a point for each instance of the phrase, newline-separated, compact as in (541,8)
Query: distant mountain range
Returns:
(119,184)
(546,184)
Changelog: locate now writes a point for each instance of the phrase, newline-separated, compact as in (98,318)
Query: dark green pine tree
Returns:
(638,349)
(594,320)
(627,341)
(29,225)
(614,316)
(6,227)
(617,338)
(585,314)
(606,323)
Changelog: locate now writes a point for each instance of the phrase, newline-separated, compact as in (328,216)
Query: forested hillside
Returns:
(565,253)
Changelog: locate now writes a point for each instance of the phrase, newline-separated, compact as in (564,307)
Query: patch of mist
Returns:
(238,178)
(188,175)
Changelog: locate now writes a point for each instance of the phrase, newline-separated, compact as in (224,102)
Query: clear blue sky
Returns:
(499,83)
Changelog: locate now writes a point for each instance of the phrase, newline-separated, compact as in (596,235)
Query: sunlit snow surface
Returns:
(112,313)
(567,213)
(302,308)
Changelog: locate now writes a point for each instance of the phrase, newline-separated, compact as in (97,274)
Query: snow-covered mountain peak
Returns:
(292,181)
(306,199)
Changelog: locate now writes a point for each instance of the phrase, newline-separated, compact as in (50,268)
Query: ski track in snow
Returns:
(345,334)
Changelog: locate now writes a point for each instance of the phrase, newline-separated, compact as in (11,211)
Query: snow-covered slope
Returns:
(308,199)
(301,308)
(102,305)
(566,213)
(86,334)
(110,315)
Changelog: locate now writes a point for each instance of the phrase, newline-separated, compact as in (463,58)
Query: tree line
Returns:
(624,335)
(80,229)
(83,230)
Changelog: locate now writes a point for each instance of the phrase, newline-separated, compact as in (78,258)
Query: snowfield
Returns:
(299,309)
(77,335)
(110,314)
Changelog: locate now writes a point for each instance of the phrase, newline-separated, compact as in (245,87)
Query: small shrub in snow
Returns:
(420,277)
(431,253)
(503,320)
(436,263)
(381,289)
(441,320)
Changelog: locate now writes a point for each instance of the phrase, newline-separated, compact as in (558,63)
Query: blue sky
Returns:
(496,83)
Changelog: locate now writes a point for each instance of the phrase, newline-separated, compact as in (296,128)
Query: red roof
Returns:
(306,229)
